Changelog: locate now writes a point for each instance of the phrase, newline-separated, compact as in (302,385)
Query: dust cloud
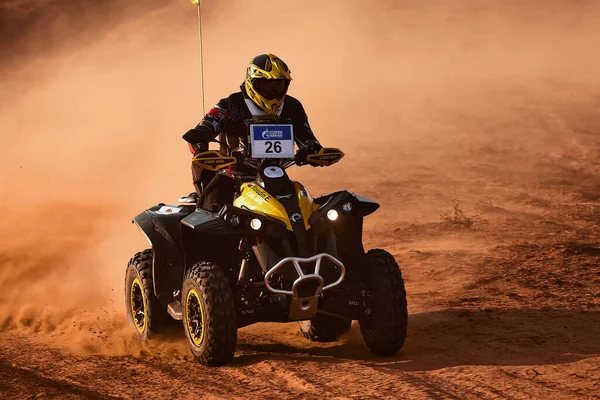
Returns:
(95,100)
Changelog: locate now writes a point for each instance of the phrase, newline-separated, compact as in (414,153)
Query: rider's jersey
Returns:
(227,120)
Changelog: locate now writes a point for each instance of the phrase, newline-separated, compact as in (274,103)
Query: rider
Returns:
(263,93)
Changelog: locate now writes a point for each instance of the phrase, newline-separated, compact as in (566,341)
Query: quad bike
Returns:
(275,255)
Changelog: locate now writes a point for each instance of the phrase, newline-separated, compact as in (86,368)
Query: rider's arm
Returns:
(211,125)
(303,134)
(302,130)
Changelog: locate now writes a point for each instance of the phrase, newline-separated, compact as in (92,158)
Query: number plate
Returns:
(272,141)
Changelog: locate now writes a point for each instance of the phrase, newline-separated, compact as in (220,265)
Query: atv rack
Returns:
(303,308)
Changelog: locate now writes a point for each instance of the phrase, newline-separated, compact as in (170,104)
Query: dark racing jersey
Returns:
(228,121)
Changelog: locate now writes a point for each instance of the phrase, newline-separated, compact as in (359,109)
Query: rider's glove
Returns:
(239,156)
(312,146)
(309,147)
(200,147)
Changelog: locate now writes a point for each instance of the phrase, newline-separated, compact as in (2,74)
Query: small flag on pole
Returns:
(196,2)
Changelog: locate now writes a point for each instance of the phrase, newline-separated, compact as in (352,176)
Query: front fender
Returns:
(163,231)
(360,207)
(348,226)
(221,223)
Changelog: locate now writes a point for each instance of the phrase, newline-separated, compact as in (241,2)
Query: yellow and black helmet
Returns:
(267,82)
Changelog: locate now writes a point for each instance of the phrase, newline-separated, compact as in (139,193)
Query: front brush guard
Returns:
(303,308)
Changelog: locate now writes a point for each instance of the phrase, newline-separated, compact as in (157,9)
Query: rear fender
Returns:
(163,231)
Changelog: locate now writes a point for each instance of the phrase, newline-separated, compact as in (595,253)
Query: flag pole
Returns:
(197,3)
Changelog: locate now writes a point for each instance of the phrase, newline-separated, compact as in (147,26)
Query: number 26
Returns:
(273,146)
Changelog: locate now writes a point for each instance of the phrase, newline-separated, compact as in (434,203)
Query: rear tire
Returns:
(145,313)
(209,314)
(324,328)
(384,330)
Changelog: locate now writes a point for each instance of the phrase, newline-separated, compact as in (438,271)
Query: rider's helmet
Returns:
(267,82)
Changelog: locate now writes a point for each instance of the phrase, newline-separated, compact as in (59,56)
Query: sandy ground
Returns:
(475,126)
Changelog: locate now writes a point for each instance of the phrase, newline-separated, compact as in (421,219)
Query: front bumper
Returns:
(307,288)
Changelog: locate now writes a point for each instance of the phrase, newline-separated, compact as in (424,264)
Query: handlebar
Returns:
(214,160)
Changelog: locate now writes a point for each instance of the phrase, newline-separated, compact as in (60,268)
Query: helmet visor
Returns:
(271,89)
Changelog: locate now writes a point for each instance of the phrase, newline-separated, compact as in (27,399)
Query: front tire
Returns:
(384,328)
(324,328)
(145,313)
(209,314)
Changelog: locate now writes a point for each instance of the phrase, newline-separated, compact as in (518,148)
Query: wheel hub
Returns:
(195,317)
(138,307)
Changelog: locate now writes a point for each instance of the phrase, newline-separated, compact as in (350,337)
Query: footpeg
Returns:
(175,310)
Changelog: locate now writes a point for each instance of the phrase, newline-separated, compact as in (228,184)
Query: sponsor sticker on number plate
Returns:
(272,141)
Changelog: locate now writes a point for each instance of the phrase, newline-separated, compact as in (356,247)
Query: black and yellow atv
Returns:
(275,255)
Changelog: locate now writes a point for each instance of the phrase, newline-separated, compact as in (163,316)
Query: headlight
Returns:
(255,224)
(332,215)
(347,207)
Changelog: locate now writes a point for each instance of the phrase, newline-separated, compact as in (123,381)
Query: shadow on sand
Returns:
(459,337)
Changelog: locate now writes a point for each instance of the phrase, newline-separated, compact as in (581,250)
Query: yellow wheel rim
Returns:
(138,305)
(194,312)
